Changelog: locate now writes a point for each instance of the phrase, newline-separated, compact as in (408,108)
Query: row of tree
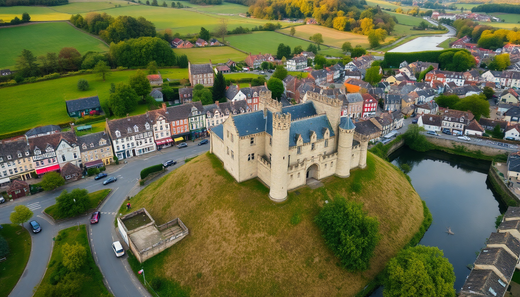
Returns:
(114,29)
(17,21)
(32,2)
(493,7)
(477,104)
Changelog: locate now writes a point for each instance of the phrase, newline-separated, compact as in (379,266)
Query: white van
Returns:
(118,249)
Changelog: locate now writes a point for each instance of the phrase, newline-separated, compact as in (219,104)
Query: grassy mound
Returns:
(242,244)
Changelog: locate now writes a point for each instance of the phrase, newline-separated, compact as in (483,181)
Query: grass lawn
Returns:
(407,20)
(264,42)
(330,36)
(37,13)
(298,74)
(507,17)
(400,30)
(19,241)
(240,75)
(224,8)
(243,244)
(96,127)
(41,104)
(446,43)
(218,54)
(95,199)
(84,7)
(44,38)
(89,277)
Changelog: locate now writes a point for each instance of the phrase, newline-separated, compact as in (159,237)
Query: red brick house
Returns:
(155,79)
(201,43)
(369,106)
(255,61)
(18,189)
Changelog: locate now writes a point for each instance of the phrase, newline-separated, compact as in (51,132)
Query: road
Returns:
(120,279)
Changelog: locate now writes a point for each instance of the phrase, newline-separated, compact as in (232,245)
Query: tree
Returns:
(4,247)
(204,34)
(283,51)
(419,271)
(123,100)
(366,26)
(183,61)
(112,89)
(449,101)
(26,64)
(346,47)
(353,242)
(423,25)
(164,4)
(221,29)
(415,140)
(152,67)
(357,52)
(275,85)
(74,256)
(51,181)
(202,94)
(102,70)
(373,39)
(20,215)
(280,72)
(293,31)
(500,62)
(497,132)
(25,17)
(477,104)
(264,65)
(320,61)
(83,85)
(372,75)
(219,88)
(139,82)
(488,92)
(317,38)
(297,50)
(423,73)
(168,93)
(70,59)
(72,204)
(312,48)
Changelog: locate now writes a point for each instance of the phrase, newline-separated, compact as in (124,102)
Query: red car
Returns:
(95,217)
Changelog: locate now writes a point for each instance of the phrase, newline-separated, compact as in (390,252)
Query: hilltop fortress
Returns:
(286,146)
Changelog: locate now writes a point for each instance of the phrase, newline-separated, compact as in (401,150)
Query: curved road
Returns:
(119,278)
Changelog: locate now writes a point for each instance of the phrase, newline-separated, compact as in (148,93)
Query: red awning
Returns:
(97,163)
(163,141)
(48,169)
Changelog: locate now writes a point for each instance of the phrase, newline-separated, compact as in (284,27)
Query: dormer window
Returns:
(92,145)
(147,126)
(8,157)
(19,155)
(102,142)
(118,134)
(84,146)
(136,129)
(37,151)
(27,153)
(49,149)
(129,130)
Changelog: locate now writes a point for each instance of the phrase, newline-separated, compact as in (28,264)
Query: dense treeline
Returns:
(508,8)
(17,21)
(206,2)
(114,30)
(449,59)
(141,51)
(486,36)
(32,2)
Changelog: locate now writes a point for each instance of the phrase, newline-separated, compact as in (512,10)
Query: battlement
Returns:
(263,160)
(281,121)
(297,166)
(334,102)
(328,157)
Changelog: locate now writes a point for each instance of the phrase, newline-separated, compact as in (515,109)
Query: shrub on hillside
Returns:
(349,232)
(83,85)
(149,170)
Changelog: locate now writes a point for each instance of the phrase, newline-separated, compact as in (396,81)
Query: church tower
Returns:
(346,135)
(279,156)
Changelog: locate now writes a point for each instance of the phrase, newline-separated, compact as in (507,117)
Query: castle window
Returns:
(313,146)
(63,157)
(232,155)
(252,156)
(299,150)
(291,176)
(252,141)
(231,137)
(298,175)
(326,143)
(228,150)
(325,166)
(270,141)
(331,164)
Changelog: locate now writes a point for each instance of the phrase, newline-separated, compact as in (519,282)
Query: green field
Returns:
(88,277)
(386,4)
(240,75)
(224,8)
(400,30)
(19,241)
(407,20)
(27,106)
(220,54)
(507,17)
(330,36)
(83,7)
(44,38)
(37,13)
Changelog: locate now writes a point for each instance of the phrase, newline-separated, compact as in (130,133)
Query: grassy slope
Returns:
(92,279)
(330,36)
(264,42)
(243,244)
(220,54)
(48,106)
(19,241)
(43,38)
(95,199)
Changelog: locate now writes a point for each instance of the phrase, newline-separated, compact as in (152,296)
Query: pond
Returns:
(458,194)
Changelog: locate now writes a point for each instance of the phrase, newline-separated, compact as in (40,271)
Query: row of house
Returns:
(179,43)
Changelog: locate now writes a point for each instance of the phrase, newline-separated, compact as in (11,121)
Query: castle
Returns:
(285,146)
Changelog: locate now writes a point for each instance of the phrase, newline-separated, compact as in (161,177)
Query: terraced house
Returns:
(96,150)
(131,136)
(15,160)
(201,74)
(52,152)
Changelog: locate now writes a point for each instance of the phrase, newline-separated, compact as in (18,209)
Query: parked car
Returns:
(432,133)
(100,176)
(261,72)
(94,219)
(118,249)
(182,144)
(414,121)
(510,138)
(464,138)
(446,131)
(2,199)
(203,141)
(109,180)
(36,228)
(169,163)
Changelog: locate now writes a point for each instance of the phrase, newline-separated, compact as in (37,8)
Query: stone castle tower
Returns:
(279,156)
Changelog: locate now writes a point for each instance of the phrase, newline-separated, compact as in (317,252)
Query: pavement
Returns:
(119,278)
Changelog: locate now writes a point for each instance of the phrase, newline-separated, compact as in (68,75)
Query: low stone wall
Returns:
(395,146)
(485,150)
(501,188)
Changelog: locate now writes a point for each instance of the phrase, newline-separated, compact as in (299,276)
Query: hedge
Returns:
(89,119)
(394,59)
(147,171)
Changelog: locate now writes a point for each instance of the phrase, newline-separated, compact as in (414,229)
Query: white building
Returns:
(131,136)
(297,63)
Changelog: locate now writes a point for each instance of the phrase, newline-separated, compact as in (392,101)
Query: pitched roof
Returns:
(506,239)
(219,131)
(367,128)
(69,169)
(305,127)
(250,123)
(498,257)
(154,77)
(481,282)
(43,130)
(492,123)
(475,126)
(82,104)
(513,112)
(513,162)
(17,185)
(93,139)
(53,140)
(125,126)
(354,97)
(200,68)
(512,212)
(432,120)
(13,148)
(509,225)
(183,111)
(299,111)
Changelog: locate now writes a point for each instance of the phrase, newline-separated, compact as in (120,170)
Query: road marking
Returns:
(34,206)
(43,217)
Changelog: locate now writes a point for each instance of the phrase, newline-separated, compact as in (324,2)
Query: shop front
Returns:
(198,133)
(41,171)
(181,137)
(163,143)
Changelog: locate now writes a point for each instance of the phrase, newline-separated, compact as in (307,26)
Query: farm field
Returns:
(400,30)
(330,36)
(507,17)
(83,7)
(44,38)
(407,20)
(224,8)
(504,25)
(386,4)
(37,13)
(264,42)
(240,75)
(36,104)
(219,54)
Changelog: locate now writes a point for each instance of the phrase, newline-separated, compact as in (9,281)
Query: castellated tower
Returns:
(279,156)
(346,135)
(267,103)
(329,106)
(363,144)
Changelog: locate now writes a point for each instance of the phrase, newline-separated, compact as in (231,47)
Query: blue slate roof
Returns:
(300,111)
(250,123)
(304,128)
(346,123)
(219,131)
(82,104)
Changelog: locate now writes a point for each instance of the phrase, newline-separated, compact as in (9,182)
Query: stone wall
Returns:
(501,188)
(486,150)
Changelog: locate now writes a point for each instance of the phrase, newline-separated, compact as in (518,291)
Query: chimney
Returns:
(26,139)
(210,62)
(249,84)
(164,106)
(216,102)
